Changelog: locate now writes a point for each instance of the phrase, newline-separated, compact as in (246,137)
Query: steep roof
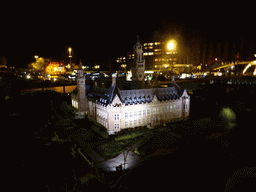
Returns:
(134,92)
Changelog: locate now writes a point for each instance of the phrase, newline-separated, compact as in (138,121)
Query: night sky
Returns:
(101,31)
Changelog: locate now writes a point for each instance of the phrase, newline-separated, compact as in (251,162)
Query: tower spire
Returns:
(80,64)
(138,40)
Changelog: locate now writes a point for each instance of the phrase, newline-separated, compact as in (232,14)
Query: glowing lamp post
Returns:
(171,45)
(70,56)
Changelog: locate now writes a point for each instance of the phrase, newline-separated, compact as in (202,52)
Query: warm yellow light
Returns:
(172,44)
(249,65)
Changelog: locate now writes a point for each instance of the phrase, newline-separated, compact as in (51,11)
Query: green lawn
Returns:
(113,147)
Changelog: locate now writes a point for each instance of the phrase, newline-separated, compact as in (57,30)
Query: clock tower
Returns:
(139,63)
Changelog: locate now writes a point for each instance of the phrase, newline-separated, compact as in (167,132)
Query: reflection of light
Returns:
(131,161)
(254,73)
(249,65)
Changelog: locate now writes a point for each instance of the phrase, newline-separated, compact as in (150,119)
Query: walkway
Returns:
(132,159)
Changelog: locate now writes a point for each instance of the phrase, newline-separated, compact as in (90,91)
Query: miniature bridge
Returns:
(247,65)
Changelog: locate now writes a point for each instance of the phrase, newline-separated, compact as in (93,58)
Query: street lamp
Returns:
(70,56)
(171,45)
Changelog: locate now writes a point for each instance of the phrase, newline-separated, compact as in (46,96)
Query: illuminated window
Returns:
(157,43)
(151,44)
(157,50)
(145,54)
(145,47)
(158,53)
(150,47)
(156,59)
(168,53)
(150,53)
(145,44)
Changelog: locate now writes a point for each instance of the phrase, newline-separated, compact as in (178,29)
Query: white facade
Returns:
(117,115)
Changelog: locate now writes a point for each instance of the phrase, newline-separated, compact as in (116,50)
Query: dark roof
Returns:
(134,92)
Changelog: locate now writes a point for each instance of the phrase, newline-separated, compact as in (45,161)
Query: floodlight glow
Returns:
(172,45)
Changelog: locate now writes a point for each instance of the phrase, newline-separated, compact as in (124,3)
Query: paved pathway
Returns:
(111,164)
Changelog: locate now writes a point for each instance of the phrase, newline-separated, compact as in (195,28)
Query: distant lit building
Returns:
(156,54)
(134,103)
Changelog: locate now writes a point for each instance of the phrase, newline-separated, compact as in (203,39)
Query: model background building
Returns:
(156,55)
(134,103)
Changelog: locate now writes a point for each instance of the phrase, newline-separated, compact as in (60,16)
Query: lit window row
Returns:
(170,59)
(147,112)
(172,52)
(151,44)
(148,47)
(120,61)
(148,53)
(137,122)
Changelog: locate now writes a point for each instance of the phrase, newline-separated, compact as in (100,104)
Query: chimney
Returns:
(113,79)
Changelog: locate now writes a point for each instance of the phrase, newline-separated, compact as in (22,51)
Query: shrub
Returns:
(100,130)
(132,134)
